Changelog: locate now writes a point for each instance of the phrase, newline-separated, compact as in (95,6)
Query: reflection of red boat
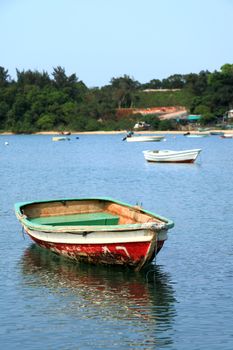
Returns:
(98,286)
(97,230)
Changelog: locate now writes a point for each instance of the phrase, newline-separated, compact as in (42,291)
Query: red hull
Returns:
(131,254)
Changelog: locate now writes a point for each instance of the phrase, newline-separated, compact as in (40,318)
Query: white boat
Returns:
(227,136)
(144,138)
(169,156)
(60,138)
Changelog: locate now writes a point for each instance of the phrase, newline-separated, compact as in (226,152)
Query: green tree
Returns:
(153,84)
(175,81)
(123,89)
(45,122)
(4,77)
(34,78)
(227,69)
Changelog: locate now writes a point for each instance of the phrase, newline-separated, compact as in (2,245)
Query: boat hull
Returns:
(216,133)
(60,138)
(227,136)
(197,135)
(144,138)
(188,156)
(130,254)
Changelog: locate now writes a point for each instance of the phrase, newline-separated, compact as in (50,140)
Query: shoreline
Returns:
(175,132)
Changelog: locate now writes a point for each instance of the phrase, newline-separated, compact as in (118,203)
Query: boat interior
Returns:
(85,213)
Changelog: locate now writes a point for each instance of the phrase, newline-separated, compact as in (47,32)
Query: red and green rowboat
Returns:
(95,230)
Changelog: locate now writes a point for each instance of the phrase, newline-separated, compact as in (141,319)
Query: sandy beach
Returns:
(124,132)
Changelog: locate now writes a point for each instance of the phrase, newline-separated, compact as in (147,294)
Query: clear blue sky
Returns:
(101,39)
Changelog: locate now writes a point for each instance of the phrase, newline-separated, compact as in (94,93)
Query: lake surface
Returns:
(184,300)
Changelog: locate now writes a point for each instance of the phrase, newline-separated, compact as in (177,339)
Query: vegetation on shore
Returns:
(35,101)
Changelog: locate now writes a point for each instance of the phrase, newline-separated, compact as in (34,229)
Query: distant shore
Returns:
(124,132)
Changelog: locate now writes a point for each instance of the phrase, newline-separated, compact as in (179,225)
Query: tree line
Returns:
(36,101)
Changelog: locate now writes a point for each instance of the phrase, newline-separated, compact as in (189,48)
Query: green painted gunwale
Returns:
(19,207)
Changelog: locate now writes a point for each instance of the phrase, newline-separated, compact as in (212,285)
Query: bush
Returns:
(45,122)
(167,125)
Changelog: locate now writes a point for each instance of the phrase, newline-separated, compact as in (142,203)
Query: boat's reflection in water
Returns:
(88,291)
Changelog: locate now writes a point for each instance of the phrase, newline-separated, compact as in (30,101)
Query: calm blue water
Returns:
(185,300)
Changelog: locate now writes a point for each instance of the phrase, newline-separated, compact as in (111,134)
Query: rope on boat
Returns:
(82,231)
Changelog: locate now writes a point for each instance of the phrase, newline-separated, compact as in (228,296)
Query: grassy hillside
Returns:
(159,99)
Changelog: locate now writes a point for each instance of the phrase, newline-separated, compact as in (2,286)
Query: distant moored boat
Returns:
(169,156)
(216,133)
(60,138)
(144,138)
(227,136)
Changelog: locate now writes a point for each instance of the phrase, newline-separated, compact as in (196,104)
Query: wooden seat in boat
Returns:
(86,219)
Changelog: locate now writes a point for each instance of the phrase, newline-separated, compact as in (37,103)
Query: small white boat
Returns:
(144,138)
(227,136)
(60,138)
(169,156)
